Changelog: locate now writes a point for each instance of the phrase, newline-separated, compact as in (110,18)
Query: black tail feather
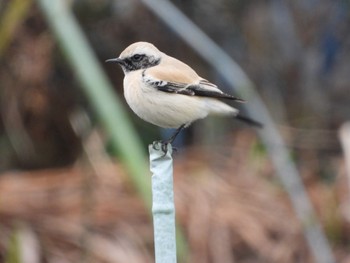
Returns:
(249,121)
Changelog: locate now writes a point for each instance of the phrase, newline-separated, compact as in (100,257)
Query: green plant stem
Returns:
(99,91)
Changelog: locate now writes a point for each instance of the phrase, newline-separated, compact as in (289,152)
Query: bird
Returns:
(168,93)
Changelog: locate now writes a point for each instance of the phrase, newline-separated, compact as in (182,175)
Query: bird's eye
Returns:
(137,57)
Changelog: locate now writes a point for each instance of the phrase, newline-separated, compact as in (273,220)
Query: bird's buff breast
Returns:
(167,110)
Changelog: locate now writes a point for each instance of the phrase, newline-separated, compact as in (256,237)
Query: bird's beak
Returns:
(115,60)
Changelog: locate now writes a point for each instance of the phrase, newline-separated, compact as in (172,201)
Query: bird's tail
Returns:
(249,121)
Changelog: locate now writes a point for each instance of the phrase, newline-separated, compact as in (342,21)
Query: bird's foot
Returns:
(163,146)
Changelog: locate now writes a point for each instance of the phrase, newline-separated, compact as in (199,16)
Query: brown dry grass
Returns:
(230,206)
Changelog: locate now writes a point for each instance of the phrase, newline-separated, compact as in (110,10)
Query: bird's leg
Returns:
(170,140)
(176,133)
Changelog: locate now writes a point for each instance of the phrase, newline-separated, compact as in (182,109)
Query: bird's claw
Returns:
(163,147)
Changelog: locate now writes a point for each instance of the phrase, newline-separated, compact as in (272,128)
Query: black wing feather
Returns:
(194,90)
(175,88)
(199,91)
(190,90)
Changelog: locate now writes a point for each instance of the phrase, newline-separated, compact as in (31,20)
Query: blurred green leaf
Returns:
(13,253)
(99,91)
(13,16)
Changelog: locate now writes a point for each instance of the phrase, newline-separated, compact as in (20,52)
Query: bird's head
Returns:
(139,55)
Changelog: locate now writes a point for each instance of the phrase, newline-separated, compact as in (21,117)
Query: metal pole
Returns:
(163,207)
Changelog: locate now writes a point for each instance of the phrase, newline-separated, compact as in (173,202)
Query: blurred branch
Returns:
(94,154)
(15,129)
(270,135)
(344,135)
(99,91)
(14,14)
(28,242)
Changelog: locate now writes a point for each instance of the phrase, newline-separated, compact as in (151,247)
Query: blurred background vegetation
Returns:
(65,193)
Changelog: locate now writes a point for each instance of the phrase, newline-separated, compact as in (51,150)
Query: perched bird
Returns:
(168,93)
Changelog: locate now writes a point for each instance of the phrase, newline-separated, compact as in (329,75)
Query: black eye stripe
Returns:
(131,63)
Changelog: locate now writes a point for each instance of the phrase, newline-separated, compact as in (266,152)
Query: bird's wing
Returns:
(177,77)
(208,89)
